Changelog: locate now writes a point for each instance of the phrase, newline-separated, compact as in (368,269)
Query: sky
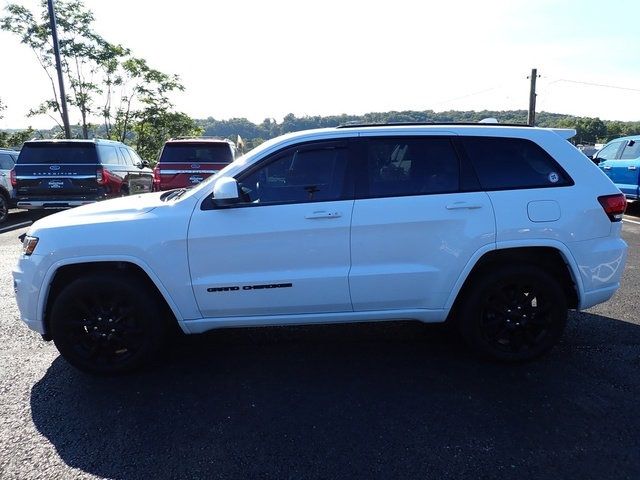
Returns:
(265,59)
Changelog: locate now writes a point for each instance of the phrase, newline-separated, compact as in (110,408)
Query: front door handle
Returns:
(632,167)
(607,167)
(323,214)
(463,205)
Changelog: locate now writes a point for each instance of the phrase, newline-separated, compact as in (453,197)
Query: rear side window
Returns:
(108,155)
(196,153)
(631,151)
(506,163)
(58,153)
(411,166)
(6,161)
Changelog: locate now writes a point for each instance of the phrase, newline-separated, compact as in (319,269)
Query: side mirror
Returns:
(143,164)
(225,191)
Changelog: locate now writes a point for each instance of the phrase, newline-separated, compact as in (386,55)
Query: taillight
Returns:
(14,180)
(156,174)
(614,206)
(102,176)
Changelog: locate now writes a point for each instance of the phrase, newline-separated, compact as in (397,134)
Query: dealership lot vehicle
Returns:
(620,160)
(498,229)
(59,174)
(185,162)
(7,195)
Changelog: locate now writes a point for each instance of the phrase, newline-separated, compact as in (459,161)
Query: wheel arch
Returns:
(552,256)
(62,272)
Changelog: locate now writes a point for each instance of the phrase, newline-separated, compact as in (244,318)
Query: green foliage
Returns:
(105,80)
(15,139)
(153,127)
(2,107)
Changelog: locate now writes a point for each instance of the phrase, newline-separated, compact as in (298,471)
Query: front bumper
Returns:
(28,286)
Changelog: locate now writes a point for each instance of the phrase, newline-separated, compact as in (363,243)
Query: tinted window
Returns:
(632,150)
(6,161)
(134,157)
(415,166)
(59,152)
(503,163)
(108,155)
(199,152)
(298,176)
(609,152)
(126,157)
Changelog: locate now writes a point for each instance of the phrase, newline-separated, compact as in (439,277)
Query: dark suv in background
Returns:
(56,174)
(7,196)
(185,162)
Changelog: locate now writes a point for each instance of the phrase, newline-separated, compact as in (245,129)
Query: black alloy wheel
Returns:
(106,324)
(514,313)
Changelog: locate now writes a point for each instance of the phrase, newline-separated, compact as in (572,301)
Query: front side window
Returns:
(298,176)
(609,152)
(511,163)
(631,150)
(411,166)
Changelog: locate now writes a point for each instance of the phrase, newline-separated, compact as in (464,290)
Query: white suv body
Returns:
(369,237)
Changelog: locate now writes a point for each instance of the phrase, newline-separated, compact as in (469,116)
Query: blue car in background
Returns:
(620,160)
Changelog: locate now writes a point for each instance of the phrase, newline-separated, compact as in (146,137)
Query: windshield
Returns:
(58,153)
(197,152)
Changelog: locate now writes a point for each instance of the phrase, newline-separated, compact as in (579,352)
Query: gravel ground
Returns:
(354,401)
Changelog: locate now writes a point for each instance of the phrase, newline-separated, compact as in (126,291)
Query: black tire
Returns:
(4,208)
(512,313)
(107,324)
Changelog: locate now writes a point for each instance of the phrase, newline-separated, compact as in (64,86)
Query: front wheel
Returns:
(107,324)
(513,313)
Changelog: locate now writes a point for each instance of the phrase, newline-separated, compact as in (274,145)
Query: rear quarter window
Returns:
(196,153)
(512,163)
(57,153)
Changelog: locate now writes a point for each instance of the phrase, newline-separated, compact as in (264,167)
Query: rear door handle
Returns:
(323,214)
(463,205)
(607,167)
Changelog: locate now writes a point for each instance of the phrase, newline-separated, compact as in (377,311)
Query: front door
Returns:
(285,248)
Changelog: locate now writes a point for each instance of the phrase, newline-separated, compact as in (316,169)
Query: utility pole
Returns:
(56,52)
(531,118)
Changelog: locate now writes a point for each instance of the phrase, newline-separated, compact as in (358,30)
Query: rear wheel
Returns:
(107,324)
(513,313)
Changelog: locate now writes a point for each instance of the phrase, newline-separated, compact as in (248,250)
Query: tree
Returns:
(2,107)
(105,80)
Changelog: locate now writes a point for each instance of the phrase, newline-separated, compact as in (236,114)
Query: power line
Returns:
(616,87)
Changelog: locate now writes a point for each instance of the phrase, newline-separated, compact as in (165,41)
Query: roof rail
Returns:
(401,124)
(191,137)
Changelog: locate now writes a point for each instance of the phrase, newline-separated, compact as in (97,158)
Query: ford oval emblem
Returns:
(195,165)
(54,167)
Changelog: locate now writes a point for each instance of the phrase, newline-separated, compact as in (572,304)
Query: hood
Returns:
(115,210)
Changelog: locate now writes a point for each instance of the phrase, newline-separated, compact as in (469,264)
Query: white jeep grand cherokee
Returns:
(498,229)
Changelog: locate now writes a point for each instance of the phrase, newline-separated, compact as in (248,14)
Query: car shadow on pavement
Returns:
(387,400)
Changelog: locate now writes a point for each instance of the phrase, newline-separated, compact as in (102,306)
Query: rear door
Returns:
(414,226)
(625,170)
(56,170)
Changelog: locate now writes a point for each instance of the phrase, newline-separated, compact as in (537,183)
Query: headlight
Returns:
(29,245)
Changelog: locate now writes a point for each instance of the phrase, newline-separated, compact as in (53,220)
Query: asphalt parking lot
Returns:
(384,400)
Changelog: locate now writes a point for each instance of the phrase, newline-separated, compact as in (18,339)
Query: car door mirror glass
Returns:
(225,191)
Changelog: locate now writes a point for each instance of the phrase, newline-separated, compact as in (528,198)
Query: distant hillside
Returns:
(589,130)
